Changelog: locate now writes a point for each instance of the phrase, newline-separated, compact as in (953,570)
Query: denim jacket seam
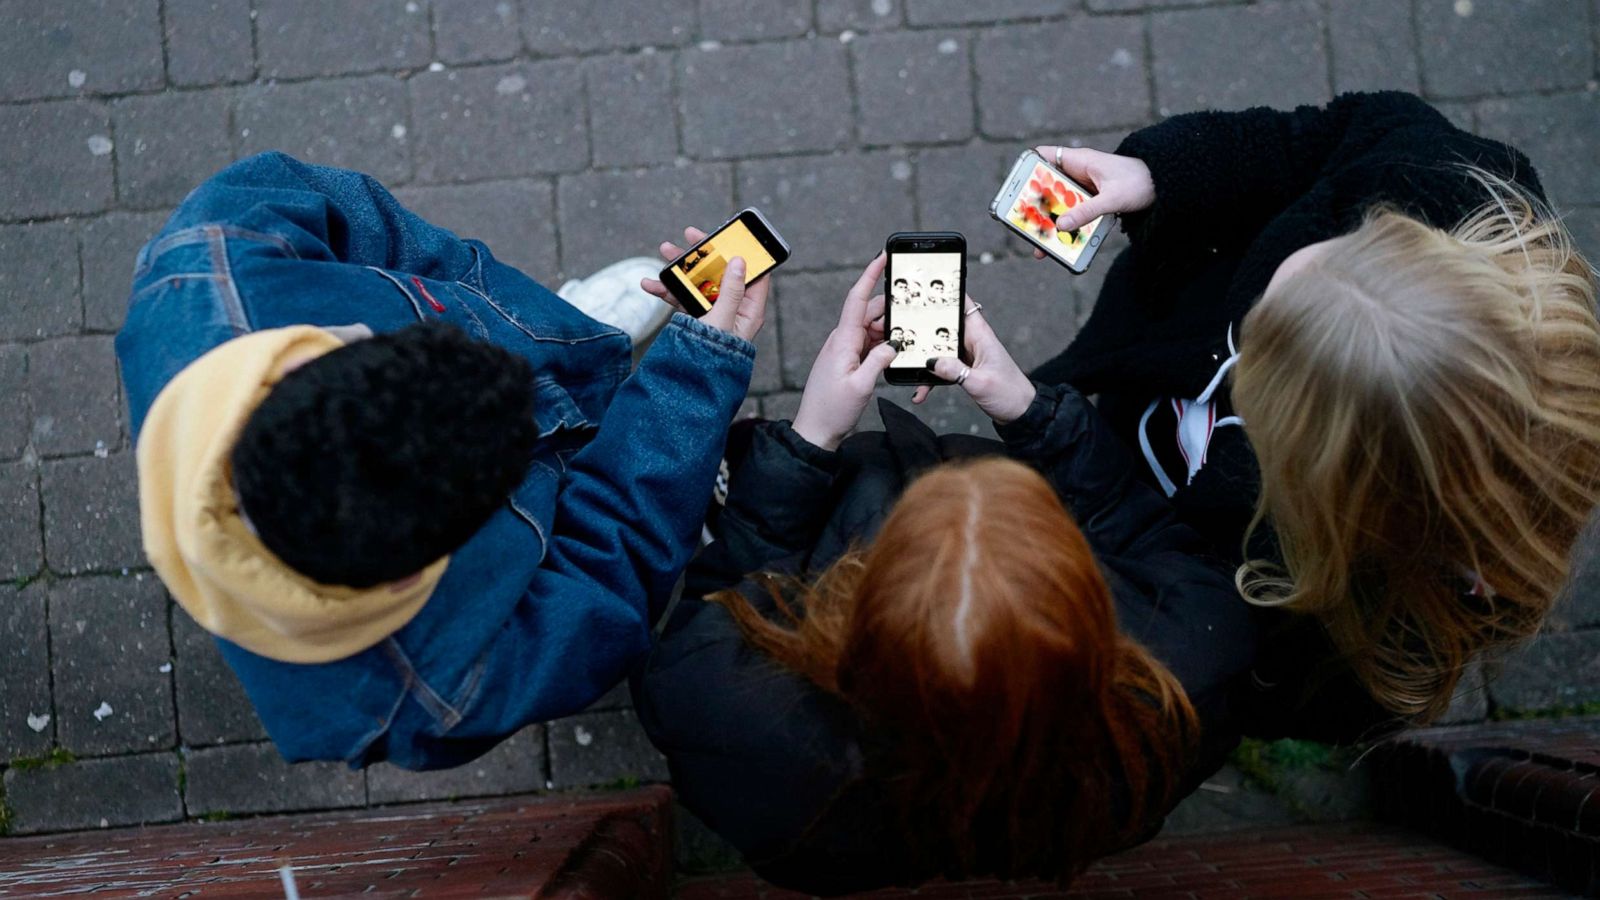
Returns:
(415,306)
(203,233)
(605,332)
(533,522)
(442,712)
(712,337)
(359,751)
(232,302)
(472,686)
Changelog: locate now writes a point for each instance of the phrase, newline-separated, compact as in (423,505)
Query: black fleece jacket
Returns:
(1236,194)
(774,764)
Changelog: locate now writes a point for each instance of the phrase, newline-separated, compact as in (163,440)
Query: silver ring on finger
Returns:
(1058,156)
(962,378)
(975,307)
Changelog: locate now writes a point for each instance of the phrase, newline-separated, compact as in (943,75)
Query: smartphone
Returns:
(1031,198)
(695,278)
(925,282)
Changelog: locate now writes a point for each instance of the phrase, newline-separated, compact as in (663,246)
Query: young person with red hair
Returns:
(908,656)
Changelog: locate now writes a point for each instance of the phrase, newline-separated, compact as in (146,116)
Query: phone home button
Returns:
(1094,241)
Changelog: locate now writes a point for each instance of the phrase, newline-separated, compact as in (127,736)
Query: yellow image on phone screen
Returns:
(701,268)
(1046,196)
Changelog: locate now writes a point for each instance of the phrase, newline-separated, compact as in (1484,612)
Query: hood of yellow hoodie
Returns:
(200,545)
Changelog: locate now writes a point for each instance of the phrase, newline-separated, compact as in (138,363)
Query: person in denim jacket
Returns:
(409,546)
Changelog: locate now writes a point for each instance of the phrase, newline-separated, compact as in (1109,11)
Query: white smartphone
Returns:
(1030,199)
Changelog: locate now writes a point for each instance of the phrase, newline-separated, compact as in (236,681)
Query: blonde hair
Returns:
(1425,407)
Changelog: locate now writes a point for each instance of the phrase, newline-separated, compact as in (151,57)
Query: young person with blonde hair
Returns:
(907,656)
(1409,446)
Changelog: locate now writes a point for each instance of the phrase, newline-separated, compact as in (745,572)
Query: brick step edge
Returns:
(1524,794)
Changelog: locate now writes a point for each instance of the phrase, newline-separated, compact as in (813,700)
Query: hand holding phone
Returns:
(694,277)
(742,302)
(992,378)
(1062,218)
(926,277)
(847,368)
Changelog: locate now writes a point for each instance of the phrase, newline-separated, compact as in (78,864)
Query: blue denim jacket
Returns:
(544,609)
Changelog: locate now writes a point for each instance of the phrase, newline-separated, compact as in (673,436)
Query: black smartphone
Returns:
(1032,196)
(695,278)
(925,283)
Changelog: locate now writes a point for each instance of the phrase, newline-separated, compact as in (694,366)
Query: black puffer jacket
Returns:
(1236,194)
(774,764)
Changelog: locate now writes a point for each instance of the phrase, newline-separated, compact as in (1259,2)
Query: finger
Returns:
(873,365)
(1038,254)
(949,368)
(1084,213)
(669,251)
(922,393)
(855,302)
(874,313)
(655,288)
(1074,161)
(693,235)
(725,311)
(752,312)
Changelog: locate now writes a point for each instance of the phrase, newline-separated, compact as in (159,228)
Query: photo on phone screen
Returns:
(1044,196)
(924,314)
(696,277)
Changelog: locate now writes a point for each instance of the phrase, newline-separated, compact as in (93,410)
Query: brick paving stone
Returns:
(833,210)
(1104,86)
(515,218)
(63,167)
(515,766)
(301,38)
(499,121)
(1374,46)
(27,723)
(912,87)
(808,309)
(169,143)
(954,188)
(605,216)
(1029,303)
(1471,700)
(632,118)
(111,658)
(126,790)
(466,31)
(91,514)
(605,24)
(1216,58)
(355,123)
(39,279)
(1559,133)
(1134,5)
(619,697)
(1555,670)
(73,386)
(109,246)
(781,406)
(768,374)
(209,42)
(951,12)
(85,46)
(15,420)
(253,778)
(602,748)
(858,15)
(1584,223)
(738,20)
(1534,45)
(212,706)
(21,550)
(773,98)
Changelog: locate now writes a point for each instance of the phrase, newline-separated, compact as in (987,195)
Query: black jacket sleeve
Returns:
(778,502)
(1064,436)
(1232,172)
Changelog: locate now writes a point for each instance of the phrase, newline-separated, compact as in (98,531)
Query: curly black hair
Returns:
(372,461)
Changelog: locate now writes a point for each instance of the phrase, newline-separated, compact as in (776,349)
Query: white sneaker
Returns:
(613,296)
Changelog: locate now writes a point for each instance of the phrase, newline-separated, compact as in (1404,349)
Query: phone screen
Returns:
(699,273)
(924,319)
(1044,196)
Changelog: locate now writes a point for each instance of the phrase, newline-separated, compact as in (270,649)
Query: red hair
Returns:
(1017,731)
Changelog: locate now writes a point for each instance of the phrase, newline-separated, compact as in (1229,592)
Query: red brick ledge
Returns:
(615,845)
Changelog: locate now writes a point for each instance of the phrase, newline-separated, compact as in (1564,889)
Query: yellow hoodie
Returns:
(215,567)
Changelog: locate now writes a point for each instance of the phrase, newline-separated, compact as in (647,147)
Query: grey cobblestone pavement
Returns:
(568,135)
